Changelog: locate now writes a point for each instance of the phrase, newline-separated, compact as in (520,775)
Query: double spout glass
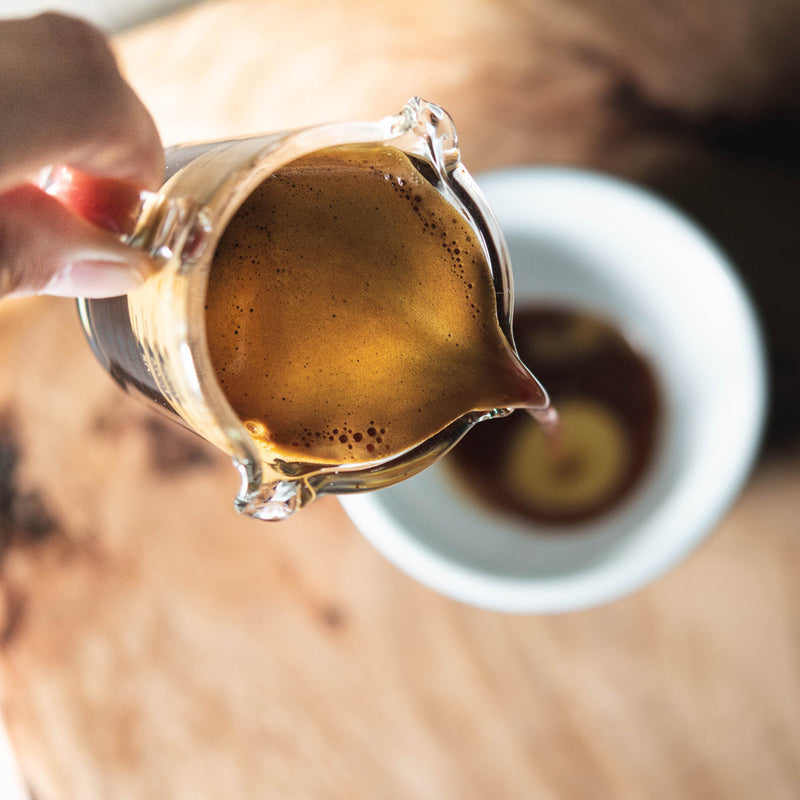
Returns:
(153,341)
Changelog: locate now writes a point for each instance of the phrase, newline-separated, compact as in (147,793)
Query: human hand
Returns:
(64,102)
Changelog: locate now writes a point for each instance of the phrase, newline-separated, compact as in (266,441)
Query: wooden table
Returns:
(155,645)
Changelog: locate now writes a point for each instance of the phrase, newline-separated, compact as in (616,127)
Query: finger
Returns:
(109,203)
(63,100)
(46,249)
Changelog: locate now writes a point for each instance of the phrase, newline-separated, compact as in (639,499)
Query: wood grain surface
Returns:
(155,645)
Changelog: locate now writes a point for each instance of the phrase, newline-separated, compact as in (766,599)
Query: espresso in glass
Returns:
(351,313)
(321,308)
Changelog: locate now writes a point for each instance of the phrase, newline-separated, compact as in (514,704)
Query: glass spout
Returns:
(158,341)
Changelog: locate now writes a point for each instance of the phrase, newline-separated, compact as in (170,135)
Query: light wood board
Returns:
(155,645)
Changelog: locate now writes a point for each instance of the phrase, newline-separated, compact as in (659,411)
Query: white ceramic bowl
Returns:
(599,244)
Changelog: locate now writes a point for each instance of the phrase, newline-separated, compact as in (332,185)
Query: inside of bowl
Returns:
(596,244)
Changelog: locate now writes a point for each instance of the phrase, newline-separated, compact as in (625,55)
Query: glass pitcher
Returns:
(153,340)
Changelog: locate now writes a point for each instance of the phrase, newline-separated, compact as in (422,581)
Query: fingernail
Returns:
(94,279)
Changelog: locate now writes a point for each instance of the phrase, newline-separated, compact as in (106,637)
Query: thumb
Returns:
(47,249)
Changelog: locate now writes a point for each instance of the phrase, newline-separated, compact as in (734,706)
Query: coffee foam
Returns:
(351,312)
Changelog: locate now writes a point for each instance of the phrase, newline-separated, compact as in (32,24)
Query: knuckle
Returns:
(82,81)
(78,50)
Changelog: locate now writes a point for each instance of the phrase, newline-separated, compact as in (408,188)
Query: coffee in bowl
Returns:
(608,407)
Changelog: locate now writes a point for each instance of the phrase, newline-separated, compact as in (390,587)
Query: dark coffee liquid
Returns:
(351,312)
(609,408)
